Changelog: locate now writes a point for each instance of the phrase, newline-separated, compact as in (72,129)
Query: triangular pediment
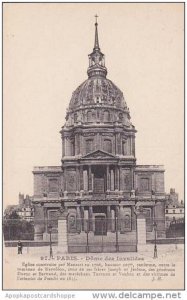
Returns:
(99,154)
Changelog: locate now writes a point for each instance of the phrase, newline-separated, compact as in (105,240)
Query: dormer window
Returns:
(89,116)
(75,117)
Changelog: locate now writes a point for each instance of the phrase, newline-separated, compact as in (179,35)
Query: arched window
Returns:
(89,146)
(89,116)
(124,148)
(72,147)
(106,116)
(120,117)
(108,146)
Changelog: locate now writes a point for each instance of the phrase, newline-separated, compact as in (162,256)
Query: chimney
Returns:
(21,199)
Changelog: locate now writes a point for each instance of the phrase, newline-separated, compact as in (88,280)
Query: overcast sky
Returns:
(46,49)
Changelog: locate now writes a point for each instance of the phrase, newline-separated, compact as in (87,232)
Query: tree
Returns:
(14,228)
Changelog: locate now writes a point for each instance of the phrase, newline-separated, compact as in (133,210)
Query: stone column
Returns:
(85,180)
(65,146)
(81,178)
(46,219)
(90,216)
(65,182)
(116,179)
(75,145)
(119,178)
(81,145)
(86,220)
(89,178)
(82,217)
(108,179)
(62,233)
(112,220)
(112,180)
(116,147)
(109,220)
(77,180)
(119,143)
(92,181)
(78,219)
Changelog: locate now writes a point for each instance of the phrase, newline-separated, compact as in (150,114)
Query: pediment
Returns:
(98,154)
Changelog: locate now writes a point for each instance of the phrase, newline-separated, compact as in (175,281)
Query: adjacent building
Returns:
(24,209)
(174,209)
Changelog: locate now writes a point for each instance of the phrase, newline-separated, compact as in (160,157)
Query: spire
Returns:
(96,44)
(96,58)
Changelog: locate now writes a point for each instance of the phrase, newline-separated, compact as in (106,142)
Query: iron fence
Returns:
(88,235)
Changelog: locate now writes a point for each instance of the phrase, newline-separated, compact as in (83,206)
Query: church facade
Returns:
(98,182)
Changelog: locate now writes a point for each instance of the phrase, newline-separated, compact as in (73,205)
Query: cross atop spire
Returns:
(96,44)
(96,58)
(96,16)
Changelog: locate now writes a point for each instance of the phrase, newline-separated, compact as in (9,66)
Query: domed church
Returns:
(109,202)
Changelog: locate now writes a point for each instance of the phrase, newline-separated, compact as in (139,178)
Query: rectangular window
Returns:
(144,185)
(53,185)
(89,146)
(108,146)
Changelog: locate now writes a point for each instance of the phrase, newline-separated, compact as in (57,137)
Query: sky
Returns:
(45,59)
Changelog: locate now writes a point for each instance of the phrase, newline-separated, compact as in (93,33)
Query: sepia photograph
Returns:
(93,146)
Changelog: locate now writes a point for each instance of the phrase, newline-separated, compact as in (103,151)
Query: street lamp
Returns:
(155,246)
(50,245)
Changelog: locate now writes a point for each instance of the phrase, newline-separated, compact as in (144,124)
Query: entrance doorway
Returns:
(100,225)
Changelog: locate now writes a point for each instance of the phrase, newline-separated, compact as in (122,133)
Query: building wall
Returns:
(149,179)
(47,181)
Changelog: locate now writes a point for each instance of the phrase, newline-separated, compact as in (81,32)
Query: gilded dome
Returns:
(97,100)
(97,90)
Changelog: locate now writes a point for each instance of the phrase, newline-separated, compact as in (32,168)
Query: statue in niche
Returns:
(127,223)
(127,181)
(71,182)
(138,209)
(72,223)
